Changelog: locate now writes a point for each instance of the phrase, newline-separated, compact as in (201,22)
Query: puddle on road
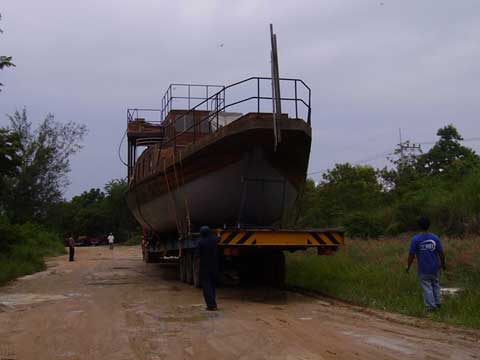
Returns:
(450,291)
(110,283)
(107,278)
(398,345)
(179,318)
(43,274)
(9,301)
(28,298)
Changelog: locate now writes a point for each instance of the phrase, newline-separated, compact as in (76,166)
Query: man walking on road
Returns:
(428,250)
(111,239)
(71,248)
(207,251)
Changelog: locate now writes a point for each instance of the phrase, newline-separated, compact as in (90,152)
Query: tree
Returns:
(351,187)
(344,190)
(121,219)
(44,165)
(9,157)
(95,213)
(9,160)
(448,155)
(5,61)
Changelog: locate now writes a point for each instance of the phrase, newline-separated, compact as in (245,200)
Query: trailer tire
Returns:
(278,269)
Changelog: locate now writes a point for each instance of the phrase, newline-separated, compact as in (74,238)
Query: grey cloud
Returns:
(372,68)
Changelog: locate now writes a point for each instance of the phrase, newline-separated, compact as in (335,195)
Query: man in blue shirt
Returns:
(428,250)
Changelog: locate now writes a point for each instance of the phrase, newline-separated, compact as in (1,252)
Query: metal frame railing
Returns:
(169,97)
(217,106)
(217,102)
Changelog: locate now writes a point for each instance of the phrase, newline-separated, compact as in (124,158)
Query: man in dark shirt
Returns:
(208,253)
(428,250)
(71,248)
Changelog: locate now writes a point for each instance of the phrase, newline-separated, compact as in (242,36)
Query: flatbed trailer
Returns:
(249,253)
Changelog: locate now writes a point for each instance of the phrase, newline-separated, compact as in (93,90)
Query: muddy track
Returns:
(109,305)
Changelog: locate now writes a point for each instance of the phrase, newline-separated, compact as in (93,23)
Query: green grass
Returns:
(372,273)
(25,249)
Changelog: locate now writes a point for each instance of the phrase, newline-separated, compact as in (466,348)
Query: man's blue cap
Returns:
(205,231)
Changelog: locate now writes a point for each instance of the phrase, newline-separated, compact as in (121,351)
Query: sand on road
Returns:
(110,305)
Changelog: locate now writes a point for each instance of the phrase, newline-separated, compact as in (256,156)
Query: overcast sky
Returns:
(373,66)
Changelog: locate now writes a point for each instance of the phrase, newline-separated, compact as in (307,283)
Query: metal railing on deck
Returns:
(201,93)
(215,103)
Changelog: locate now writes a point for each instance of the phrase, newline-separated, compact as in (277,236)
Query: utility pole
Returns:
(405,147)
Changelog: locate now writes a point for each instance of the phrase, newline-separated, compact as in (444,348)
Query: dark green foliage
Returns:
(342,198)
(95,213)
(9,147)
(9,161)
(443,184)
(23,247)
(5,61)
(41,176)
(364,225)
(448,156)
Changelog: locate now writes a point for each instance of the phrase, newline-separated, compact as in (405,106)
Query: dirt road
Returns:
(109,305)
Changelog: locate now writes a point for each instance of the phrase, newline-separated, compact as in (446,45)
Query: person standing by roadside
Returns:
(208,253)
(71,248)
(428,250)
(110,239)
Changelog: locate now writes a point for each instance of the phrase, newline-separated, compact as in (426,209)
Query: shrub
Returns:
(364,225)
(23,247)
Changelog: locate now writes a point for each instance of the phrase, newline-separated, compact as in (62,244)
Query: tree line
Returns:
(442,183)
(34,165)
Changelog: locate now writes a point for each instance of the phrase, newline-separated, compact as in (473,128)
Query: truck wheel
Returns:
(278,269)
(181,268)
(189,268)
(270,269)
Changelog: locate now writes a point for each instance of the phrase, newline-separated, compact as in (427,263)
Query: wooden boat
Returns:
(216,167)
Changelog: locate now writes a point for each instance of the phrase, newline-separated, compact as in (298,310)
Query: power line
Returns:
(464,140)
(358,162)
(406,145)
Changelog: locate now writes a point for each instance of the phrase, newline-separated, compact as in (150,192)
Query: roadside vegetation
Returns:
(23,248)
(443,184)
(34,163)
(372,273)
(35,218)
(377,206)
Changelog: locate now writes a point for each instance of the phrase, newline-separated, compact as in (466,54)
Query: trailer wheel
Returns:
(181,269)
(269,269)
(278,269)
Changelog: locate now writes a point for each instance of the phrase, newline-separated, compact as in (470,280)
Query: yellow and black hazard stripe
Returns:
(236,237)
(281,238)
(327,238)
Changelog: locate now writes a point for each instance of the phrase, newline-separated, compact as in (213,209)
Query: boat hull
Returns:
(232,179)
